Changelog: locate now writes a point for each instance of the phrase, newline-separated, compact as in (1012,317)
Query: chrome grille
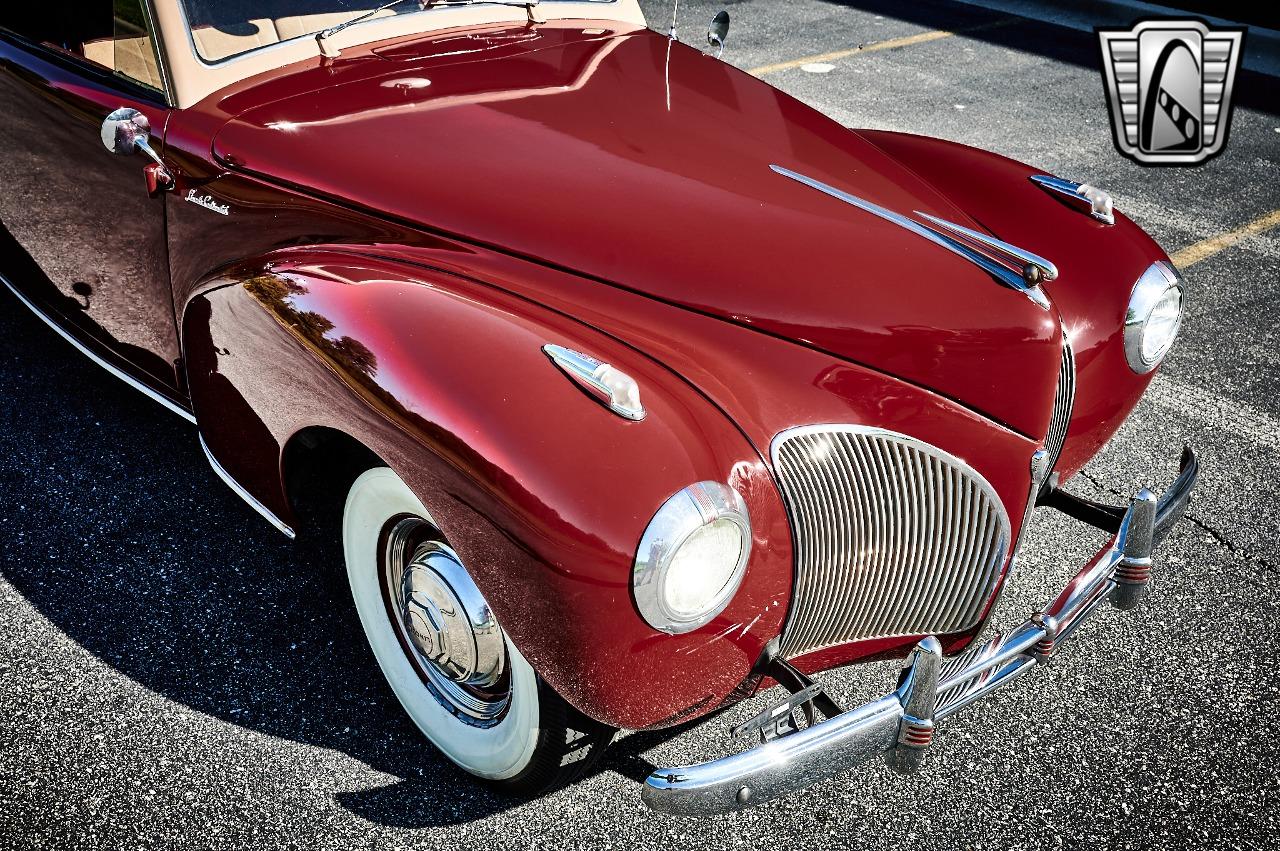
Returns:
(1062,405)
(893,536)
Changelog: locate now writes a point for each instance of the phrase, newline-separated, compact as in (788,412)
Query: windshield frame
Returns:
(353,24)
(194,79)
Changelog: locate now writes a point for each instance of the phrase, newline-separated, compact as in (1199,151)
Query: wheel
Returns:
(454,670)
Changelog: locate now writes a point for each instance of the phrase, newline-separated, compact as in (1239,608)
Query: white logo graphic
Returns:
(208,203)
(1169,87)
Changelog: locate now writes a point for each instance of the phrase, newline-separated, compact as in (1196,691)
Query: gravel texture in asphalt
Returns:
(175,674)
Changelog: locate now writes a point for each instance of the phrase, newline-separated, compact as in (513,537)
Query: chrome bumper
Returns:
(901,724)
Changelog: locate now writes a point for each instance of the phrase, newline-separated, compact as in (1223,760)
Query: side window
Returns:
(130,50)
(114,34)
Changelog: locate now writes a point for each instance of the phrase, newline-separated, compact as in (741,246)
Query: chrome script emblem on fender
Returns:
(1169,89)
(208,203)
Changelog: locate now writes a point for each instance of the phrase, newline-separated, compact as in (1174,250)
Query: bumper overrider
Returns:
(900,725)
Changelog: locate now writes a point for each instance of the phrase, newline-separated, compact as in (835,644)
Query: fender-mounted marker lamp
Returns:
(610,385)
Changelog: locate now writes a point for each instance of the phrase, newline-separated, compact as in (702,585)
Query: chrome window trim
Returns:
(162,58)
(128,86)
(226,61)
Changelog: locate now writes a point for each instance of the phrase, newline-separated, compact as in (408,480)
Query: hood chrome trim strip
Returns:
(1048,271)
(940,236)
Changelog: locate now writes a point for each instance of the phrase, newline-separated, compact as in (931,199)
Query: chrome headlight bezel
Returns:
(1158,281)
(694,508)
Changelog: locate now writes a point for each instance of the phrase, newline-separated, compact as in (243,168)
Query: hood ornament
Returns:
(1088,199)
(1011,266)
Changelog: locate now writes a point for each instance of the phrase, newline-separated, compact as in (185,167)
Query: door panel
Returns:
(82,214)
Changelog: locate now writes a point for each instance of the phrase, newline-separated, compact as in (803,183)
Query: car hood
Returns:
(646,165)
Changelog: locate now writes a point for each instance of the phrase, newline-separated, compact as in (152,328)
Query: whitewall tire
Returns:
(460,679)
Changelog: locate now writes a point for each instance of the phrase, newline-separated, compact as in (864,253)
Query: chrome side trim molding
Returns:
(244,494)
(1088,199)
(93,356)
(942,237)
(153,395)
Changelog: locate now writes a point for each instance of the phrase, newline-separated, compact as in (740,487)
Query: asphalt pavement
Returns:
(175,674)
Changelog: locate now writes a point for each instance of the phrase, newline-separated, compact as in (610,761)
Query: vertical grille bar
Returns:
(894,537)
(1063,403)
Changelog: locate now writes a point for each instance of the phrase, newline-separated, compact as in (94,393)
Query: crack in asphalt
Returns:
(1214,534)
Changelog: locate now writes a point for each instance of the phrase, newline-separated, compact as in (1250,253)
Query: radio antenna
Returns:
(675,17)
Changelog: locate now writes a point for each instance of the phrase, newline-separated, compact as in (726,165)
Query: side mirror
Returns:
(127,131)
(718,34)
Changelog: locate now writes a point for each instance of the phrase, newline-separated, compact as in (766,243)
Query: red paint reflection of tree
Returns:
(277,293)
(356,354)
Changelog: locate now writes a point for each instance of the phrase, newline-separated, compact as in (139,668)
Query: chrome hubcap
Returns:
(444,624)
(459,636)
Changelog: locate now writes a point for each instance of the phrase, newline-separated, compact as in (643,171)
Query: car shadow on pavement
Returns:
(119,534)
(446,795)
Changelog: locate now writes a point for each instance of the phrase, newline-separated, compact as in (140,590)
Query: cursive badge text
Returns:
(208,203)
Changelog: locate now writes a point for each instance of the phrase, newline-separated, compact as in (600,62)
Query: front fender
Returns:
(543,491)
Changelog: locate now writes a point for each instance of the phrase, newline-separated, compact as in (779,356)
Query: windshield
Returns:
(225,28)
(222,29)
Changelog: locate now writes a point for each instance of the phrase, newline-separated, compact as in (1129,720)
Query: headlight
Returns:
(1154,316)
(692,557)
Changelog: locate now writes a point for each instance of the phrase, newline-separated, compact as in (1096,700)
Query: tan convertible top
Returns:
(201,61)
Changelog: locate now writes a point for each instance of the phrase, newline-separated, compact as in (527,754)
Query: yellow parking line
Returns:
(1206,248)
(905,41)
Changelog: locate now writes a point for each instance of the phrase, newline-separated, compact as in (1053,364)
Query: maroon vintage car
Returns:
(656,388)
